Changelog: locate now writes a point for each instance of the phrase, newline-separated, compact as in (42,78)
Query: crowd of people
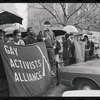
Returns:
(75,49)
(46,35)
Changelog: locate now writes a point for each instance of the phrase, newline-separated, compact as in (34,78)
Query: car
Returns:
(81,93)
(81,76)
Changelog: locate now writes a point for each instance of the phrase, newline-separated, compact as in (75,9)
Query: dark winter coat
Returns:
(2,70)
(58,47)
(66,49)
(49,42)
(29,39)
(87,46)
(91,48)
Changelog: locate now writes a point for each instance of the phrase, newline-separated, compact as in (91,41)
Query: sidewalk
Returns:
(56,91)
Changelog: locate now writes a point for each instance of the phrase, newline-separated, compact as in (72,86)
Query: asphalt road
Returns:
(56,91)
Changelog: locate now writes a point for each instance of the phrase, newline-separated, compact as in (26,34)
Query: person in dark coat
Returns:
(66,50)
(87,47)
(48,36)
(91,49)
(72,48)
(4,92)
(58,47)
(31,37)
(44,36)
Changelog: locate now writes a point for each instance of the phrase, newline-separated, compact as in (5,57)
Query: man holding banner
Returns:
(3,80)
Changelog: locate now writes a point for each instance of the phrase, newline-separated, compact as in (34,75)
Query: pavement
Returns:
(56,91)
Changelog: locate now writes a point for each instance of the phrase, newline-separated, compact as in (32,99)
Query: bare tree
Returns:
(82,15)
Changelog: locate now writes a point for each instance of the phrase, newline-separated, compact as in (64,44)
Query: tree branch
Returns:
(92,11)
(35,7)
(55,12)
(97,5)
(49,11)
(63,8)
(74,12)
(78,27)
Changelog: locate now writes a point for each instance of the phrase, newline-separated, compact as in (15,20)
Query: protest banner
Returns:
(27,69)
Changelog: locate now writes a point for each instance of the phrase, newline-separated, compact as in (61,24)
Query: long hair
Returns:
(85,37)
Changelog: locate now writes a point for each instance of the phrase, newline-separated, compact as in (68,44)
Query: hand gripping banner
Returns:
(27,69)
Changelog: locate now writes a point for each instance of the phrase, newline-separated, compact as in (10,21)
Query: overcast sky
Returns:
(22,11)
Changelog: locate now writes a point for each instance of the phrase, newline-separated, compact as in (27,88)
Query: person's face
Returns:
(90,39)
(78,38)
(2,37)
(31,32)
(17,37)
(86,39)
(75,38)
(47,26)
(71,38)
